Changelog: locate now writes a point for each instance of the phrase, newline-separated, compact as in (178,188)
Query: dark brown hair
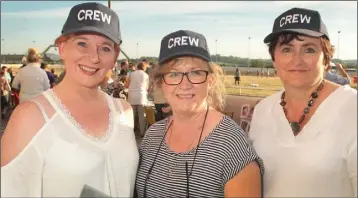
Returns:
(287,37)
(141,66)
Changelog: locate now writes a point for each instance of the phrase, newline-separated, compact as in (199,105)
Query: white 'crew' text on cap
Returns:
(294,18)
(183,40)
(94,15)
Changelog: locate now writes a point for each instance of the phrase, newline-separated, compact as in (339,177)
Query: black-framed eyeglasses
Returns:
(194,77)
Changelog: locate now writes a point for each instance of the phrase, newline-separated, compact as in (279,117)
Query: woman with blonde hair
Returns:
(198,151)
(74,138)
(31,81)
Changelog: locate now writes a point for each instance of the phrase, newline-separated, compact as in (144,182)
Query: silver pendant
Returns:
(295,127)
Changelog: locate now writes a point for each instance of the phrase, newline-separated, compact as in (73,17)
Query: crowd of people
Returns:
(31,79)
(75,139)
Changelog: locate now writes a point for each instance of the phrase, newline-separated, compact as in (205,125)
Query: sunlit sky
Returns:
(37,23)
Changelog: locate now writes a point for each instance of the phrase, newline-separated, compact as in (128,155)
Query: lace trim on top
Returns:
(78,126)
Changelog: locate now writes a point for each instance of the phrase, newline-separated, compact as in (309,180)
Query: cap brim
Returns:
(114,38)
(269,37)
(165,59)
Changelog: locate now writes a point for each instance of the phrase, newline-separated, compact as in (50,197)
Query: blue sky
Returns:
(146,22)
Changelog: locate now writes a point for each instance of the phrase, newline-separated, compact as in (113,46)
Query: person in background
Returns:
(13,97)
(50,75)
(60,77)
(31,80)
(146,62)
(138,84)
(7,74)
(54,73)
(237,76)
(196,152)
(74,135)
(341,78)
(306,134)
(8,80)
(23,62)
(131,68)
(5,92)
(162,108)
(124,68)
(11,73)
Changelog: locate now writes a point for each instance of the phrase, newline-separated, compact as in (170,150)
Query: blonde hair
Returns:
(24,60)
(32,56)
(216,95)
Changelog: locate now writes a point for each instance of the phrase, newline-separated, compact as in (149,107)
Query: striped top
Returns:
(221,155)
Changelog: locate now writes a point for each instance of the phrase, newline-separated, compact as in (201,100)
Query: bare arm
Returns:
(246,183)
(128,82)
(342,72)
(24,123)
(16,82)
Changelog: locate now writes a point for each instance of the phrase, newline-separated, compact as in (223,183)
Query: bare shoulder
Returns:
(25,121)
(126,106)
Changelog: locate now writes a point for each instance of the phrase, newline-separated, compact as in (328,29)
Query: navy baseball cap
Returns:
(299,20)
(183,43)
(93,17)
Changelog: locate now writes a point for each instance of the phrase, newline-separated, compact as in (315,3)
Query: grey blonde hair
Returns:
(216,95)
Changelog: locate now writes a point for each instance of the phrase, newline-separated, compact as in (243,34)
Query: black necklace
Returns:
(186,164)
(296,126)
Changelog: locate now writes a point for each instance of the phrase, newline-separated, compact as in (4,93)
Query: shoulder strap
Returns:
(43,112)
(118,105)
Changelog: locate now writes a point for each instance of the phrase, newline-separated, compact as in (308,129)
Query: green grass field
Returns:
(267,86)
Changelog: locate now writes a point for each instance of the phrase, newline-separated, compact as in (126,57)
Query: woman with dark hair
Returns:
(237,76)
(50,75)
(307,133)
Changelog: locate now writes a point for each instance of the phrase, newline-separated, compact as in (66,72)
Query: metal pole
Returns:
(137,54)
(216,46)
(248,51)
(109,3)
(3,50)
(338,45)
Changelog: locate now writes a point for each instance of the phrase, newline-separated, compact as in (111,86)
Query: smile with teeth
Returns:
(88,69)
(185,95)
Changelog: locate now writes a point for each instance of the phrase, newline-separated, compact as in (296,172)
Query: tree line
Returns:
(234,61)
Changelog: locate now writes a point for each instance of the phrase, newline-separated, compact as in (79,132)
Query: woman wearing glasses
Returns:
(197,151)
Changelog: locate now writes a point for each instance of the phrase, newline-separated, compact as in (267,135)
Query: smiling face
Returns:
(187,97)
(88,58)
(299,63)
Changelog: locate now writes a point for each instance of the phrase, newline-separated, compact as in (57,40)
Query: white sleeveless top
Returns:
(137,90)
(61,158)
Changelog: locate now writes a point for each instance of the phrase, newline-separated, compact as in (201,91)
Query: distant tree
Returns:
(260,63)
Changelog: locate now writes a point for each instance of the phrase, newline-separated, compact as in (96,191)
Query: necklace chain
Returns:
(296,126)
(174,165)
